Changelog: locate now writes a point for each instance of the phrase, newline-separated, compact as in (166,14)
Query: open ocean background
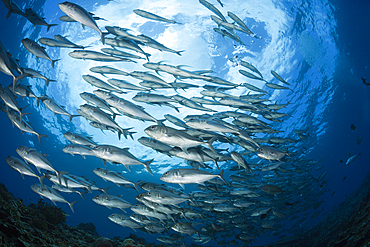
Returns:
(320,47)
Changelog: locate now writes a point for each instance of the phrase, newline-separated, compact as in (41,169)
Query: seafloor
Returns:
(44,224)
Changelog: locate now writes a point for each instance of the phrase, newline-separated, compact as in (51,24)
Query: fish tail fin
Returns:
(147,55)
(82,194)
(114,115)
(217,163)
(136,188)
(160,122)
(72,116)
(105,190)
(9,13)
(53,62)
(131,133)
(39,137)
(221,176)
(49,26)
(209,144)
(146,164)
(41,178)
(59,175)
(179,52)
(19,77)
(71,205)
(177,109)
(102,37)
(47,81)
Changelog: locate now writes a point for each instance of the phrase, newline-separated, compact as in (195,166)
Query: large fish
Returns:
(51,194)
(98,102)
(79,139)
(79,14)
(100,83)
(111,201)
(22,124)
(124,220)
(36,19)
(55,43)
(9,99)
(277,76)
(152,16)
(175,71)
(6,65)
(22,167)
(107,70)
(113,176)
(35,74)
(115,52)
(97,56)
(119,156)
(239,21)
(12,8)
(126,85)
(53,106)
(128,44)
(189,176)
(31,155)
(100,116)
(212,8)
(77,149)
(37,50)
(131,110)
(175,137)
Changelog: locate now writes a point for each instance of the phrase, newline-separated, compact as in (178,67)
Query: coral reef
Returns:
(44,224)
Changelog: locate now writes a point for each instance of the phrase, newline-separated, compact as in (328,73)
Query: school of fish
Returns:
(270,179)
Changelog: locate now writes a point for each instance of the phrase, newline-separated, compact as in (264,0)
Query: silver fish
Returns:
(113,176)
(22,124)
(279,77)
(53,106)
(152,16)
(77,149)
(212,8)
(36,19)
(35,74)
(120,156)
(111,201)
(22,167)
(107,70)
(100,83)
(79,139)
(51,194)
(189,176)
(79,14)
(96,56)
(37,50)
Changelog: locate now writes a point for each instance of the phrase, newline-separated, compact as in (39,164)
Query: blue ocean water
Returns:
(319,47)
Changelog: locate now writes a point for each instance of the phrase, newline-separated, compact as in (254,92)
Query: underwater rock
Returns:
(44,224)
(103,242)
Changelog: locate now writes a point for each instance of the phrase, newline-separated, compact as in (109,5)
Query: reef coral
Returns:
(44,224)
